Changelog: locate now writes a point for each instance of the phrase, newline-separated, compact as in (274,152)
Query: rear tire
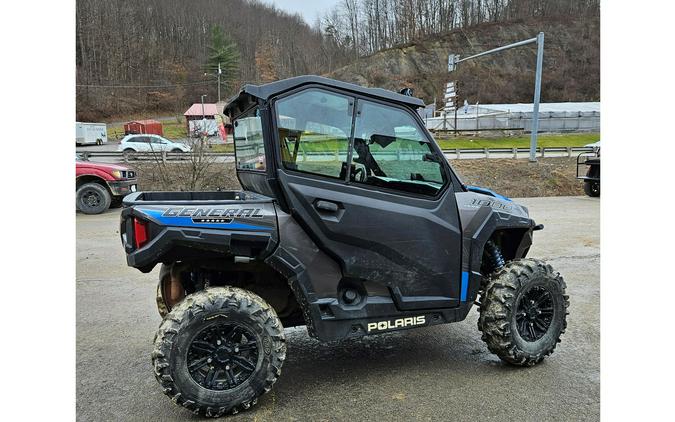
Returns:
(218,350)
(92,198)
(592,188)
(181,154)
(523,312)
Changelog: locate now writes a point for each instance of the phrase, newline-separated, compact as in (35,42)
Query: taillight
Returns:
(140,233)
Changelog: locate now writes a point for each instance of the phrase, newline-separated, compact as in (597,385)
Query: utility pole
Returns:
(219,72)
(203,117)
(454,60)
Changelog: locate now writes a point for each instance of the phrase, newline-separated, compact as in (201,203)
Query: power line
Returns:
(144,86)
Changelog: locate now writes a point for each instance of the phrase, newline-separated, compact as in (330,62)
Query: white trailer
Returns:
(91,133)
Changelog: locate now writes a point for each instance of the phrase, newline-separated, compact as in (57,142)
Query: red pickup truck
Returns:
(99,186)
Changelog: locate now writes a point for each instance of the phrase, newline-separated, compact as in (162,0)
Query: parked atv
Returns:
(351,222)
(590,159)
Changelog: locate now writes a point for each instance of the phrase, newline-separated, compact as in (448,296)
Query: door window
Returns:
(391,151)
(314,128)
(248,141)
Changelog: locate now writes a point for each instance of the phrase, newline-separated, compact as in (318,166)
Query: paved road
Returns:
(110,146)
(436,373)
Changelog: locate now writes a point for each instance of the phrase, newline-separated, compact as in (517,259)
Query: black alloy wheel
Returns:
(221,357)
(534,313)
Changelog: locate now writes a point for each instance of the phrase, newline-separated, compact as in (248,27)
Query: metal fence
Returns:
(585,121)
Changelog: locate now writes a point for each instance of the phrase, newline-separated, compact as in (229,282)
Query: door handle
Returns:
(326,206)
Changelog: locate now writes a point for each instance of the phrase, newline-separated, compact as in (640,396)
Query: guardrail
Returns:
(458,152)
(541,151)
(152,156)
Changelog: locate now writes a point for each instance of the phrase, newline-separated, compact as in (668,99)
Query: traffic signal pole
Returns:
(537,93)
(453,60)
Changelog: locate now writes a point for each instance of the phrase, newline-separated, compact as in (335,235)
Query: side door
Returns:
(156,143)
(389,216)
(142,143)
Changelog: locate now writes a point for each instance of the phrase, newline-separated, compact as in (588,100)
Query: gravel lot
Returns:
(437,373)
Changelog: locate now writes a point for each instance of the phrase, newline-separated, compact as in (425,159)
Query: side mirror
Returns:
(407,91)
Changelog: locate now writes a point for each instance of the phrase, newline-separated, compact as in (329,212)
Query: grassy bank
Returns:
(545,140)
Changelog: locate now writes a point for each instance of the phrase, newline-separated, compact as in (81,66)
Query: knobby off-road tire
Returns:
(523,312)
(200,329)
(92,198)
(592,188)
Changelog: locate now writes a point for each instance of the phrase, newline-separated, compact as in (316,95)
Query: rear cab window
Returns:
(249,146)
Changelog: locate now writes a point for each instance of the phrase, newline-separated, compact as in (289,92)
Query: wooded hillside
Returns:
(159,56)
(571,69)
(150,55)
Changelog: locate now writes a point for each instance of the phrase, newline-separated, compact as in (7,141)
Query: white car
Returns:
(150,143)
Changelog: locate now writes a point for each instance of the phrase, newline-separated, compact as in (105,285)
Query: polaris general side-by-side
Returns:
(351,222)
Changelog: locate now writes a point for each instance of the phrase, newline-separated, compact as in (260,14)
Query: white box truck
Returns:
(91,133)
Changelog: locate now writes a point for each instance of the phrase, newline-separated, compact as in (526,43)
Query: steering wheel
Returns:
(359,174)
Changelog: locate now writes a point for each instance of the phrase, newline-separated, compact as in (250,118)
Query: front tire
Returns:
(92,198)
(218,350)
(523,312)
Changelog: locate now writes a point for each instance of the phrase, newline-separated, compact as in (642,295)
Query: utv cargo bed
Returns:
(168,226)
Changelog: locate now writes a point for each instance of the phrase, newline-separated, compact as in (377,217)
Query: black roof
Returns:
(240,102)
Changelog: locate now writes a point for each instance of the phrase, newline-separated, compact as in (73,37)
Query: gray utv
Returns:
(350,222)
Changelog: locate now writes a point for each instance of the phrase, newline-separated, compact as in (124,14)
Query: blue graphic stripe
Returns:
(488,191)
(465,286)
(187,222)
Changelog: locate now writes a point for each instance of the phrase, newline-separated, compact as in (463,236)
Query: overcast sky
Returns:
(309,9)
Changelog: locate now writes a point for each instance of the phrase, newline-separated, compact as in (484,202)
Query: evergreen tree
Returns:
(223,52)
